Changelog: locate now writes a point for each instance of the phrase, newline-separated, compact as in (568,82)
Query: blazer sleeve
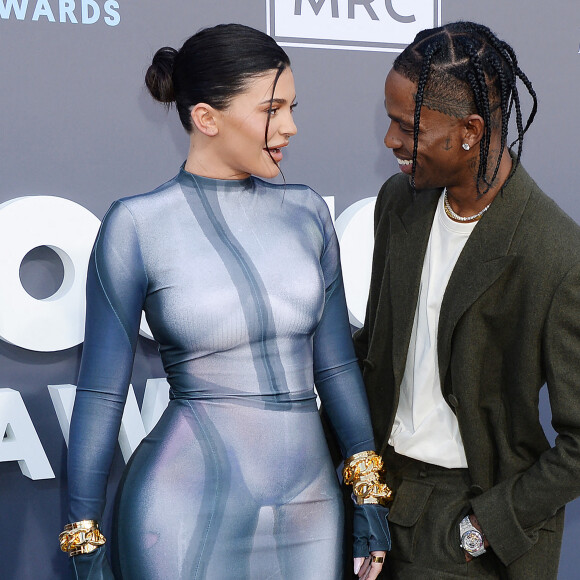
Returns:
(512,512)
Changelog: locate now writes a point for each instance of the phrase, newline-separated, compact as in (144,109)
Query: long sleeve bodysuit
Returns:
(242,287)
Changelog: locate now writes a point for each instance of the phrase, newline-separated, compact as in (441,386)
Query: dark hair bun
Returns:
(159,75)
(213,66)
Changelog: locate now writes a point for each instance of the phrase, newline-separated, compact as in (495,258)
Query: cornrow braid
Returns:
(424,75)
(504,49)
(506,103)
(464,68)
(478,83)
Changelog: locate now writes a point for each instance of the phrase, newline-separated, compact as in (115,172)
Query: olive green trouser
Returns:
(430,501)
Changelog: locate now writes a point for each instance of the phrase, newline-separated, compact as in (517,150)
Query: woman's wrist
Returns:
(81,537)
(364,471)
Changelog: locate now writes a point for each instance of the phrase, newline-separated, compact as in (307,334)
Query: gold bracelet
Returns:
(81,537)
(360,465)
(364,471)
(372,491)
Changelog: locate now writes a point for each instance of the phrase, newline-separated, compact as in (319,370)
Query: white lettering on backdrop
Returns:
(57,322)
(384,25)
(74,12)
(20,441)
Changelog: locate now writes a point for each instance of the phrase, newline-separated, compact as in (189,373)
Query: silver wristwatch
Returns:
(471,538)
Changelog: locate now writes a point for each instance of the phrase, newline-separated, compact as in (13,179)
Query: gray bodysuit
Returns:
(242,287)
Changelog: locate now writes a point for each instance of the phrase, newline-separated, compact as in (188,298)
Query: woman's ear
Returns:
(473,128)
(204,119)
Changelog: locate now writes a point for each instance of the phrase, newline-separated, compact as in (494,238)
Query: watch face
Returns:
(472,541)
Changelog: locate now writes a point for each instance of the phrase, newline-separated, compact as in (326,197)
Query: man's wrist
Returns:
(472,539)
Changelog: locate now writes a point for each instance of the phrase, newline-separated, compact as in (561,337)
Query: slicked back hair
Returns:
(463,68)
(213,66)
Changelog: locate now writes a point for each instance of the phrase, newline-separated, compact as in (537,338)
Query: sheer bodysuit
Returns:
(241,284)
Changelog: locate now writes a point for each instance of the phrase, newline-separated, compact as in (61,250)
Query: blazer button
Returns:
(453,401)
(476,489)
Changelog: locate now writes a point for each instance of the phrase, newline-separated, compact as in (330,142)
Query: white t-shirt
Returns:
(425,427)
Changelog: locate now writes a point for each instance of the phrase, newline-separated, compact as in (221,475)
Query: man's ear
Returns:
(473,129)
(204,119)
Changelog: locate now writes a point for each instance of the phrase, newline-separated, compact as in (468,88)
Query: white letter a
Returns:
(18,438)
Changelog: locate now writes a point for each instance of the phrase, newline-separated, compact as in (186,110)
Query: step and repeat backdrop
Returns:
(78,130)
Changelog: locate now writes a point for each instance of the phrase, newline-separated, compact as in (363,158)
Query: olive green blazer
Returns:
(509,323)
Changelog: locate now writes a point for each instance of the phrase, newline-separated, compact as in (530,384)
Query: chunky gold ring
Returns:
(377,559)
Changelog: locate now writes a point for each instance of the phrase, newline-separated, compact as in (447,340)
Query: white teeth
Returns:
(404,161)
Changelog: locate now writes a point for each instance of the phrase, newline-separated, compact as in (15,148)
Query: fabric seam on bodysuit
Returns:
(217,487)
(97,269)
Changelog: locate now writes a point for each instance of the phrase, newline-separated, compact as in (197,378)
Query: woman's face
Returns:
(242,127)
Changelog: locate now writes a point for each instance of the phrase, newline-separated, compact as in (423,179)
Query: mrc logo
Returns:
(376,25)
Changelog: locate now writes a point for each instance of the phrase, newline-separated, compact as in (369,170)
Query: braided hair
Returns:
(463,68)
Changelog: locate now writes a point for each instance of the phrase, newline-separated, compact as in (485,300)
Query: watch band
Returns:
(471,538)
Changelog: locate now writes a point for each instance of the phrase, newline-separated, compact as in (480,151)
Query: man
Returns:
(474,304)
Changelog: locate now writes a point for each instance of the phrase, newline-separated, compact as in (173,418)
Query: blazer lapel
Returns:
(482,261)
(408,243)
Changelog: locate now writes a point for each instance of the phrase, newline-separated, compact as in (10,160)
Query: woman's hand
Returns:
(371,539)
(93,566)
(370,567)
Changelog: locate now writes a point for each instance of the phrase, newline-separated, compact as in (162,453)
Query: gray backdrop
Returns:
(77,123)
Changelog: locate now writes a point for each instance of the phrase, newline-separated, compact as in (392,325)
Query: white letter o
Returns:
(57,322)
(355,231)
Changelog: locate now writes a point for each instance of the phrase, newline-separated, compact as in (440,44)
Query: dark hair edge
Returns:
(281,68)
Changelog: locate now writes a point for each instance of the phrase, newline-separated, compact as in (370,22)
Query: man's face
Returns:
(439,160)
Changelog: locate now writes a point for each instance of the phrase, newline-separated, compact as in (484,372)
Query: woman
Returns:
(240,280)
